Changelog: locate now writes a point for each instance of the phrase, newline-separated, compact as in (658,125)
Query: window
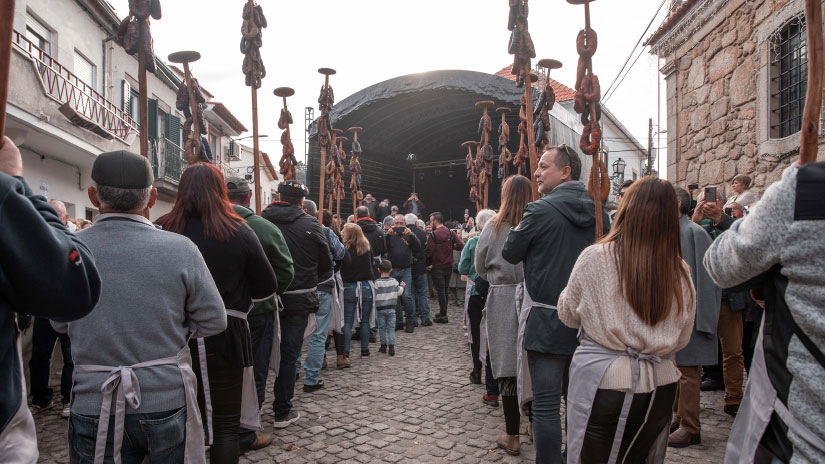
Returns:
(163,125)
(214,145)
(789,78)
(39,34)
(85,70)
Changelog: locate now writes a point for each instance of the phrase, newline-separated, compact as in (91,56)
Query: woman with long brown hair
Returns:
(501,322)
(242,273)
(357,275)
(632,296)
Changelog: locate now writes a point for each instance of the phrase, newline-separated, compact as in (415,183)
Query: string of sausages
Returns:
(288,162)
(521,44)
(472,173)
(195,145)
(521,160)
(541,114)
(335,169)
(355,167)
(504,156)
(588,94)
(485,158)
(254,22)
(325,101)
(134,32)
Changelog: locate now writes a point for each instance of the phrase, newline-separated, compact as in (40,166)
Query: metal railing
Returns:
(168,160)
(228,171)
(63,86)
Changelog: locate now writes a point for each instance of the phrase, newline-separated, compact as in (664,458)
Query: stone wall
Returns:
(718,99)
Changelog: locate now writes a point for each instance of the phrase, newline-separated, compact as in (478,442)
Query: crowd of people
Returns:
(174,326)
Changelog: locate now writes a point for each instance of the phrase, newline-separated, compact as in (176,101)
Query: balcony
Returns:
(168,164)
(79,102)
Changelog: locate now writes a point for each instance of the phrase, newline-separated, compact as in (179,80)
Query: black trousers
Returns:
(474,309)
(225,388)
(441,280)
(604,417)
(43,340)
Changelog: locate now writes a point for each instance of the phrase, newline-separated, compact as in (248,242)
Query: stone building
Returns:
(736,73)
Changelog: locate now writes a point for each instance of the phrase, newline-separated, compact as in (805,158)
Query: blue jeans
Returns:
(548,374)
(406,300)
(420,290)
(318,340)
(386,326)
(350,303)
(292,338)
(159,435)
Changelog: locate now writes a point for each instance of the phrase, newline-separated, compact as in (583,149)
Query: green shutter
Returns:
(153,118)
(173,129)
(125,97)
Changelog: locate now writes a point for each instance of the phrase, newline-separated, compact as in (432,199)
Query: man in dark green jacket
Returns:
(549,239)
(261,318)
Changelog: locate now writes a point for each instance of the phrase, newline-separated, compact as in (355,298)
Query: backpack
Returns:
(452,245)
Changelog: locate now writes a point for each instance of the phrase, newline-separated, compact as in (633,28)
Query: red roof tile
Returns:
(563,92)
(671,21)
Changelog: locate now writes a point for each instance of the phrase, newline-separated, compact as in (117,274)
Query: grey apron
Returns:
(122,384)
(590,361)
(275,354)
(525,304)
(760,402)
(336,318)
(467,292)
(484,334)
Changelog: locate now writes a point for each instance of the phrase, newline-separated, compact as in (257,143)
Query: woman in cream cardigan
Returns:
(633,299)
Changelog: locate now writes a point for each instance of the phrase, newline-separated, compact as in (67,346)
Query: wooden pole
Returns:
(193,108)
(594,170)
(6,31)
(813,96)
(256,149)
(531,135)
(143,105)
(323,168)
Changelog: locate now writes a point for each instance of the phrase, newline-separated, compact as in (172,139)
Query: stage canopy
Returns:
(413,129)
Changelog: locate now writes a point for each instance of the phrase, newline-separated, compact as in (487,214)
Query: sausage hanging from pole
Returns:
(325,102)
(135,35)
(288,162)
(333,165)
(189,101)
(586,103)
(504,157)
(813,96)
(253,24)
(355,167)
(485,127)
(472,172)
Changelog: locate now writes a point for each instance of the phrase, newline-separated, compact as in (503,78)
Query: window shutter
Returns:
(173,129)
(126,97)
(153,118)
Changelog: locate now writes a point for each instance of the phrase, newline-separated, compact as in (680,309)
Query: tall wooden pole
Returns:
(531,134)
(813,96)
(326,72)
(143,105)
(6,30)
(256,149)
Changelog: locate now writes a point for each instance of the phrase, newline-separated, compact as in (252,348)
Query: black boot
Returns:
(383,349)
(392,350)
(475,376)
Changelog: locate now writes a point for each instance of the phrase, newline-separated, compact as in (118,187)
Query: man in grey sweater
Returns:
(782,418)
(157,292)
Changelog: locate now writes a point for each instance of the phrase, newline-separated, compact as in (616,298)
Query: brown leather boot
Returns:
(681,438)
(340,362)
(509,443)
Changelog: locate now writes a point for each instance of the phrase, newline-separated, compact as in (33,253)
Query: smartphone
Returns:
(728,211)
(710,194)
(693,187)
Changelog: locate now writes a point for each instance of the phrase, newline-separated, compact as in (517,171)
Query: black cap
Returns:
(122,169)
(237,185)
(293,189)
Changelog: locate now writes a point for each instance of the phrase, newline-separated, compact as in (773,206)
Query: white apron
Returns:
(525,305)
(336,318)
(358,307)
(467,292)
(590,361)
(122,384)
(759,403)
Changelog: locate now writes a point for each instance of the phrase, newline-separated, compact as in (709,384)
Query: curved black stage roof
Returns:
(428,115)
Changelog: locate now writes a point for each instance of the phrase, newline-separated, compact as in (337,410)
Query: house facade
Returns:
(736,74)
(73,95)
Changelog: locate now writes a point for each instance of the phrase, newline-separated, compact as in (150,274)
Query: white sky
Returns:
(368,41)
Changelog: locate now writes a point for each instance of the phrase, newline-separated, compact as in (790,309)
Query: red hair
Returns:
(202,194)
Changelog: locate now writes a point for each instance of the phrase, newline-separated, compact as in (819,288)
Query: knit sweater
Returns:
(594,301)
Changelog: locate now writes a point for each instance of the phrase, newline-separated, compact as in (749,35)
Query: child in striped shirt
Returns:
(387,292)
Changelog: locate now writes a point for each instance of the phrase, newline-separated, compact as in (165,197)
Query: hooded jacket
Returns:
(549,239)
(419,256)
(309,249)
(45,271)
(440,247)
(375,235)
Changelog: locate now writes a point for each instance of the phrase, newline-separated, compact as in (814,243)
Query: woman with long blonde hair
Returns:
(501,321)
(358,277)
(632,296)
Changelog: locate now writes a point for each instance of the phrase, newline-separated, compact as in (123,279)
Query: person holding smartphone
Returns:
(401,245)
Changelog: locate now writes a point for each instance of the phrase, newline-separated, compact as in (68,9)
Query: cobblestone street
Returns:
(416,407)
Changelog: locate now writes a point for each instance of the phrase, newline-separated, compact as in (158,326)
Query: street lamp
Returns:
(618,168)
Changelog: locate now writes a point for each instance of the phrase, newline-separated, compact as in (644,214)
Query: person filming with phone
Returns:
(401,245)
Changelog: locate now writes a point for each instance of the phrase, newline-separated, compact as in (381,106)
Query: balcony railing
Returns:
(168,160)
(64,87)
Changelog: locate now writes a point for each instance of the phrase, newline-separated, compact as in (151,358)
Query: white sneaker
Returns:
(290,419)
(66,412)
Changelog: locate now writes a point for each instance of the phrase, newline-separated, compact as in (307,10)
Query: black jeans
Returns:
(474,309)
(43,340)
(604,417)
(292,338)
(441,280)
(225,390)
